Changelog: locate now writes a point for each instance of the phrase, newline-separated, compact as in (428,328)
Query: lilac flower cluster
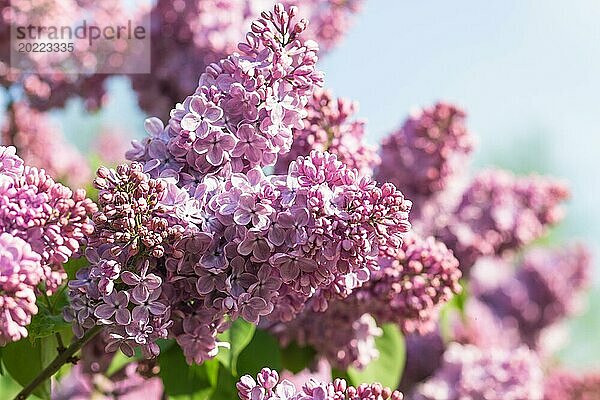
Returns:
(565,385)
(278,242)
(413,281)
(500,212)
(20,273)
(47,215)
(468,372)
(268,386)
(329,127)
(546,288)
(133,230)
(408,288)
(191,34)
(243,111)
(424,156)
(338,335)
(42,145)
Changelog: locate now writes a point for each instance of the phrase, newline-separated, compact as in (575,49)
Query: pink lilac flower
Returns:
(268,386)
(20,273)
(468,372)
(330,127)
(192,34)
(41,144)
(500,212)
(217,238)
(412,283)
(133,230)
(427,154)
(49,216)
(408,289)
(547,287)
(566,385)
(254,97)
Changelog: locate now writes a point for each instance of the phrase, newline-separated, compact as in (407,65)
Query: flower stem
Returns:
(57,363)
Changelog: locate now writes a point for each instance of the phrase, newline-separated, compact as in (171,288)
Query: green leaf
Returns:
(387,369)
(296,358)
(25,359)
(183,381)
(238,336)
(49,319)
(263,351)
(225,388)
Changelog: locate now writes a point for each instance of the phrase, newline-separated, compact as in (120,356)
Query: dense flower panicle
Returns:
(500,212)
(413,281)
(339,335)
(470,373)
(329,127)
(546,288)
(268,386)
(49,216)
(134,227)
(245,246)
(242,113)
(20,273)
(278,242)
(564,385)
(42,145)
(407,289)
(192,34)
(427,153)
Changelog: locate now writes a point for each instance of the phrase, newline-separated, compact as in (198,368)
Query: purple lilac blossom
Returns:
(11,165)
(471,373)
(268,386)
(427,154)
(500,212)
(329,126)
(546,287)
(49,216)
(243,111)
(20,273)
(191,34)
(412,282)
(242,246)
(133,230)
